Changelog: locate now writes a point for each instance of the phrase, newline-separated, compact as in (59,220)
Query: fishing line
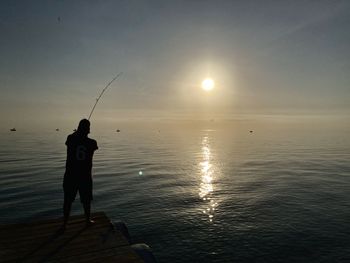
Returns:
(105,88)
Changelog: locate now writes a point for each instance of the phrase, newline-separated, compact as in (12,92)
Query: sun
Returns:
(208,84)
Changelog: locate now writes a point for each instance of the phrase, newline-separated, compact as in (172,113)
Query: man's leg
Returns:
(67,205)
(87,211)
(85,192)
(70,191)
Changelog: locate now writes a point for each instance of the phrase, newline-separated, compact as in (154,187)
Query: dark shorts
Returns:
(71,187)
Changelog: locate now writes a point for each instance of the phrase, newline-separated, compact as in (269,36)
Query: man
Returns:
(78,177)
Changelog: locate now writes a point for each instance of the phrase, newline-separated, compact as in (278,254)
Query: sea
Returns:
(199,191)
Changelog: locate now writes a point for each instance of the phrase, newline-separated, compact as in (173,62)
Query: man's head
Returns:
(84,127)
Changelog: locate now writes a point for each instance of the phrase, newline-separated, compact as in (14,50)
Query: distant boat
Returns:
(118,130)
(13,129)
(57,129)
(251,131)
(75,130)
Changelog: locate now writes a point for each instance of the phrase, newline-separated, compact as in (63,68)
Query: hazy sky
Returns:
(266,57)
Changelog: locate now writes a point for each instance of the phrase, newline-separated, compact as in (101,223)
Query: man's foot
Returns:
(89,222)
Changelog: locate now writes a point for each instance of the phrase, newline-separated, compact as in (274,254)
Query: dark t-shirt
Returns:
(80,151)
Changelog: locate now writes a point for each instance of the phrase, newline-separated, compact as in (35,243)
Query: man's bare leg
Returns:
(87,210)
(66,212)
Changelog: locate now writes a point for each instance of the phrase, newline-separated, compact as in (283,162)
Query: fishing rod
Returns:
(103,91)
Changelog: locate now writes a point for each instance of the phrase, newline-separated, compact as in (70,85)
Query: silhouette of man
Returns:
(78,177)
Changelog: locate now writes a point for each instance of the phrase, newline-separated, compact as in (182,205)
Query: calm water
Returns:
(206,194)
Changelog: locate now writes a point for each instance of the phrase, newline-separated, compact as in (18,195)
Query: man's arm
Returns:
(95,145)
(68,140)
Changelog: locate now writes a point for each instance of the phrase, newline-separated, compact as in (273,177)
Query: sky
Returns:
(266,57)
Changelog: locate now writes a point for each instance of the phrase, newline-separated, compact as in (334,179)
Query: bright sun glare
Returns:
(208,84)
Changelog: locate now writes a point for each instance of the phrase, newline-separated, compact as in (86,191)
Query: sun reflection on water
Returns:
(207,175)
